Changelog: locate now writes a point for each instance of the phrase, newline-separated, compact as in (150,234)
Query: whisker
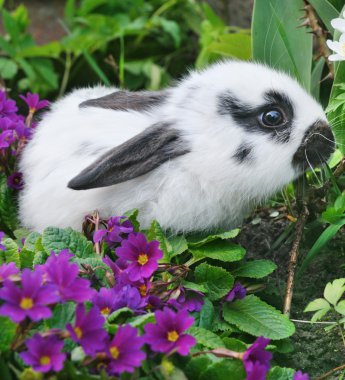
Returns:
(311,167)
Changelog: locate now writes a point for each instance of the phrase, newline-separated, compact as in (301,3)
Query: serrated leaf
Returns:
(205,337)
(197,240)
(197,366)
(216,280)
(31,240)
(334,290)
(178,245)
(255,269)
(222,369)
(193,286)
(219,250)
(318,304)
(132,215)
(256,317)
(26,258)
(11,253)
(8,331)
(94,262)
(205,317)
(56,239)
(278,373)
(40,258)
(8,209)
(156,233)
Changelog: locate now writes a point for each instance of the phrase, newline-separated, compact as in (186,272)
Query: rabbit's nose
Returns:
(316,147)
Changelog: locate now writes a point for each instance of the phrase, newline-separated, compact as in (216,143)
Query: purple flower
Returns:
(166,335)
(237,292)
(128,296)
(118,228)
(7,107)
(88,329)
(64,275)
(189,299)
(15,181)
(105,300)
(6,139)
(142,256)
(7,270)
(300,376)
(33,101)
(124,351)
(256,359)
(2,235)
(44,354)
(30,300)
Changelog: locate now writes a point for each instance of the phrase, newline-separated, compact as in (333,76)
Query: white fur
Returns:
(201,190)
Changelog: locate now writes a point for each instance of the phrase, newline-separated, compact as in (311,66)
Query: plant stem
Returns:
(331,371)
(312,323)
(66,74)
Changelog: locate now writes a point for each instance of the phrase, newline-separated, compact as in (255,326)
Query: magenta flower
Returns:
(124,351)
(6,139)
(256,359)
(2,235)
(166,335)
(30,300)
(44,354)
(7,106)
(189,299)
(128,296)
(7,270)
(15,181)
(300,376)
(237,292)
(118,229)
(142,256)
(33,101)
(88,329)
(64,275)
(105,300)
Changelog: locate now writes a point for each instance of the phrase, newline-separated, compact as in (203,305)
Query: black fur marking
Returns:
(126,100)
(247,116)
(137,156)
(243,153)
(316,147)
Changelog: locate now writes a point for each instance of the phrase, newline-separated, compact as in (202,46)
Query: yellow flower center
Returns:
(172,336)
(143,290)
(26,303)
(114,352)
(143,259)
(78,332)
(105,311)
(45,360)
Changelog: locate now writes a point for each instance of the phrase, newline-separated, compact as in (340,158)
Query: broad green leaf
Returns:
(255,269)
(205,317)
(194,286)
(124,311)
(278,373)
(234,344)
(8,331)
(40,258)
(322,240)
(172,28)
(132,215)
(26,258)
(281,44)
(326,11)
(205,337)
(96,68)
(8,68)
(197,366)
(56,239)
(219,250)
(63,313)
(50,50)
(234,45)
(94,262)
(340,307)
(8,208)
(31,240)
(45,71)
(316,78)
(11,27)
(196,240)
(216,280)
(156,233)
(142,320)
(256,317)
(319,315)
(334,290)
(178,245)
(11,253)
(223,368)
(318,304)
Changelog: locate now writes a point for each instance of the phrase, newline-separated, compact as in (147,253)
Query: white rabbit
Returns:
(196,156)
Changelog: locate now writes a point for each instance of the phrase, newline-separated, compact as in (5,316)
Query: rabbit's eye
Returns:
(272,118)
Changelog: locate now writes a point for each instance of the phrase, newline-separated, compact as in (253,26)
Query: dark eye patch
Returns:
(247,116)
(243,153)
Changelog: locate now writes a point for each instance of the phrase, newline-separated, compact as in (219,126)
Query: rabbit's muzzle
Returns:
(317,146)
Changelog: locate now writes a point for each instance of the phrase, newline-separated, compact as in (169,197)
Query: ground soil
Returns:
(315,351)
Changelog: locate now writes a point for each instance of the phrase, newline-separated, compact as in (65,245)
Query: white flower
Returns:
(338,47)
(339,23)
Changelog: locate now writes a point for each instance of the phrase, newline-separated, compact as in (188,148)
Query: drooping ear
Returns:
(126,100)
(137,156)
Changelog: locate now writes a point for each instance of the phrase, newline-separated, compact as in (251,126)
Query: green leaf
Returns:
(219,250)
(281,44)
(8,209)
(26,258)
(31,240)
(334,290)
(216,280)
(205,317)
(326,11)
(124,311)
(132,215)
(197,366)
(279,373)
(340,307)
(193,286)
(223,368)
(316,78)
(56,239)
(172,28)
(95,67)
(255,269)
(8,68)
(40,258)
(8,331)
(256,317)
(62,314)
(318,304)
(142,320)
(197,240)
(11,253)
(178,245)
(205,337)
(234,344)
(11,26)
(156,233)
(235,45)
(319,315)
(51,50)
(94,262)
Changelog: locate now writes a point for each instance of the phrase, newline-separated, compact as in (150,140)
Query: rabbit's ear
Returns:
(126,100)
(137,156)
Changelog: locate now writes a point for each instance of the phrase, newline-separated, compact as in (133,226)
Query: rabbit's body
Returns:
(206,163)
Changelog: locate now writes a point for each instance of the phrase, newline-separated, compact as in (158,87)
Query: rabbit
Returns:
(196,156)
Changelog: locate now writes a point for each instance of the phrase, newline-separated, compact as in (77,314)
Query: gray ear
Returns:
(137,156)
(125,100)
